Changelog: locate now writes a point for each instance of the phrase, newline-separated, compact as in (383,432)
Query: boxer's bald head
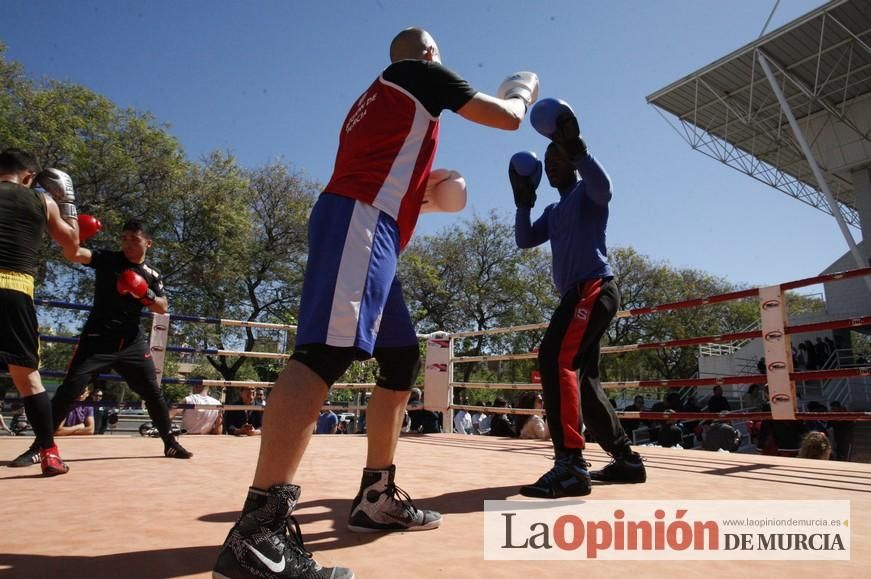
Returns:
(414,44)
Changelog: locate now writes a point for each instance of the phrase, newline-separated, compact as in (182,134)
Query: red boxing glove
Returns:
(132,284)
(88,227)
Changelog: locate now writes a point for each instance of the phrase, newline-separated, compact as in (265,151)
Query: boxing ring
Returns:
(125,511)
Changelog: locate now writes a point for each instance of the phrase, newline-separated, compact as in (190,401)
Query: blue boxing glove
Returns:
(524,172)
(556,120)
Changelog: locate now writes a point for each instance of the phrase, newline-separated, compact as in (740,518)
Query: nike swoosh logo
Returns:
(274,566)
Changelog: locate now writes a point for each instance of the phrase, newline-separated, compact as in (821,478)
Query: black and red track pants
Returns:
(569,349)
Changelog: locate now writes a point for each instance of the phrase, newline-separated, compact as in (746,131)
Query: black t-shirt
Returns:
(234,419)
(22,213)
(425,421)
(435,86)
(112,313)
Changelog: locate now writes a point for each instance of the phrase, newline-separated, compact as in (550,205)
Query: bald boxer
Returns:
(25,216)
(352,306)
(575,226)
(112,336)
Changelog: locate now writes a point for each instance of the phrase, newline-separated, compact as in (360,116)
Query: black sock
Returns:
(38,411)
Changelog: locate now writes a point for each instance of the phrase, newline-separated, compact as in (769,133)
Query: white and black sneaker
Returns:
(266,542)
(381,506)
(29,457)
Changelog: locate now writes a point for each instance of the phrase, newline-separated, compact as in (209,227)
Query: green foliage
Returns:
(230,242)
(175,392)
(473,277)
(644,283)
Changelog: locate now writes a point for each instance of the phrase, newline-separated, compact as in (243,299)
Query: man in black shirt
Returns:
(244,422)
(25,216)
(717,402)
(112,336)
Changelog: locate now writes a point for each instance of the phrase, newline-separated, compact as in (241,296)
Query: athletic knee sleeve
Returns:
(328,362)
(397,367)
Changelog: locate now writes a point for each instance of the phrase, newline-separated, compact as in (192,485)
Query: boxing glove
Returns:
(522,85)
(132,284)
(524,172)
(88,227)
(445,192)
(60,186)
(556,120)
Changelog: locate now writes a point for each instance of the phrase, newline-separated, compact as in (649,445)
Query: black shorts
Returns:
(19,336)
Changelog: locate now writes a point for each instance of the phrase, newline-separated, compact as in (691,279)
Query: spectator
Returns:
(816,425)
(462,422)
(500,423)
(422,420)
(721,436)
(691,404)
(201,420)
(80,418)
(813,363)
(799,361)
(477,417)
(815,445)
(244,422)
(754,398)
(529,426)
(717,402)
(630,425)
(830,345)
(484,422)
(779,437)
(673,402)
(842,433)
(328,422)
(670,434)
(101,412)
(821,352)
(415,399)
(260,397)
(637,405)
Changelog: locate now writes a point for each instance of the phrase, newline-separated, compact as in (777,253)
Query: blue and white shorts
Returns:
(350,296)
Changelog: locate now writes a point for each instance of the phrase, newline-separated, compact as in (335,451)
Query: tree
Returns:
(644,283)
(238,251)
(473,277)
(229,242)
(124,164)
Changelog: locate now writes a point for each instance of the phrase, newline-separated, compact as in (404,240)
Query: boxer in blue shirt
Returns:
(575,226)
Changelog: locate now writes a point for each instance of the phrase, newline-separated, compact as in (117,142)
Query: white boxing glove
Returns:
(523,84)
(445,192)
(57,184)
(60,186)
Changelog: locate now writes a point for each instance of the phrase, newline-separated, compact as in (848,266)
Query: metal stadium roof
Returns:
(822,63)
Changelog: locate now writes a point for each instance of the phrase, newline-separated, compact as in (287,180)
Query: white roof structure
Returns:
(822,63)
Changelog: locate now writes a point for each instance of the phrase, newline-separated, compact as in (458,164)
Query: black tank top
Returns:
(22,227)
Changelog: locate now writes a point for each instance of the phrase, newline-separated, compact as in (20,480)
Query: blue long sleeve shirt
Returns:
(575,226)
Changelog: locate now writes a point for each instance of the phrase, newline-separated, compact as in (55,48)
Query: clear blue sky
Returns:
(274,79)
